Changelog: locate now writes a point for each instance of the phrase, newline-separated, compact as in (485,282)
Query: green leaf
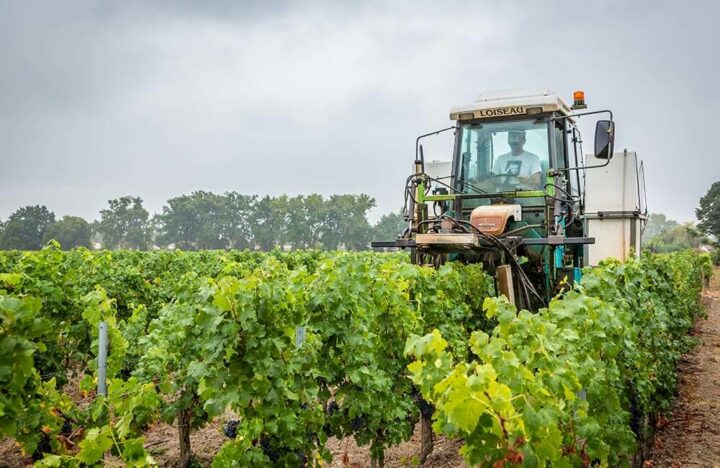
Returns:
(96,442)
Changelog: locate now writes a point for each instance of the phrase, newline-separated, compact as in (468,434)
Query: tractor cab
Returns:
(514,199)
(507,148)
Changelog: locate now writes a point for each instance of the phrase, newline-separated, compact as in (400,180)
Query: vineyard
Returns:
(303,346)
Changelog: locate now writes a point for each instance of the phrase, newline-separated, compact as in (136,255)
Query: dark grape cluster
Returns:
(274,450)
(230,429)
(330,410)
(67,428)
(269,449)
(302,459)
(358,423)
(43,447)
(426,408)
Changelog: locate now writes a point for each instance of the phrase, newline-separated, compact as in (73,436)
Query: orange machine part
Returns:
(492,219)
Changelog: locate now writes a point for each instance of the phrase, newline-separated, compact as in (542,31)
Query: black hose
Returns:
(527,285)
(522,228)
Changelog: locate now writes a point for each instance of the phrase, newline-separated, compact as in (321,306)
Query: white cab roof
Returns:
(510,102)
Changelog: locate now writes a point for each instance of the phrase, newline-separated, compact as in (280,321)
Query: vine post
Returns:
(102,359)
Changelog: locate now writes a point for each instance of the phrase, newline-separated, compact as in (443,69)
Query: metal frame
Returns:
(608,111)
(515,241)
(419,156)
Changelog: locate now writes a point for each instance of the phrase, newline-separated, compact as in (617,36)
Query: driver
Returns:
(519,163)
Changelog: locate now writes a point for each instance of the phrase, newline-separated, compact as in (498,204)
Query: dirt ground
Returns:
(346,453)
(161,441)
(691,437)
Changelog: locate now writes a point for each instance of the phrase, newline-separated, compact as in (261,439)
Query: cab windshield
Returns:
(503,156)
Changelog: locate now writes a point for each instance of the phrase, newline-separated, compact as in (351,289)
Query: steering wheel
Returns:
(507,176)
(506,182)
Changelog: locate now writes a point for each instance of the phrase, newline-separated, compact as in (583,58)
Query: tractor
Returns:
(520,197)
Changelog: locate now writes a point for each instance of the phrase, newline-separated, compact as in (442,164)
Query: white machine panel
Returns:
(439,170)
(615,187)
(615,211)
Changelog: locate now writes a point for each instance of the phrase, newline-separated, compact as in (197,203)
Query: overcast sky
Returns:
(100,99)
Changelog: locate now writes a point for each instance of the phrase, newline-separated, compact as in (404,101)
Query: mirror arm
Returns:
(568,169)
(563,117)
(419,157)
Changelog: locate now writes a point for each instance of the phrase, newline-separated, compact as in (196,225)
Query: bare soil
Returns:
(11,455)
(346,453)
(162,443)
(691,436)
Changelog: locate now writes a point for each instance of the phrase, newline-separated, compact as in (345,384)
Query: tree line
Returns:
(667,235)
(206,220)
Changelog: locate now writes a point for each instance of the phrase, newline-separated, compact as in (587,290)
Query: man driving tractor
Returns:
(518,162)
(516,169)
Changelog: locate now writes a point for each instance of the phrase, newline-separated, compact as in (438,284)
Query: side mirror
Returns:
(604,139)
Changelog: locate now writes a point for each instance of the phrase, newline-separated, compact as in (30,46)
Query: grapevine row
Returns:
(193,335)
(577,383)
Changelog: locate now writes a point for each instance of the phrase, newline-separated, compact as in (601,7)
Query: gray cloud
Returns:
(102,99)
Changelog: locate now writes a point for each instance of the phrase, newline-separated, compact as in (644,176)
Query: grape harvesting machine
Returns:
(520,196)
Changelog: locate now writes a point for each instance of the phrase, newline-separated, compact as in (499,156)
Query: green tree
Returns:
(305,218)
(240,208)
(125,224)
(193,222)
(657,223)
(204,220)
(70,232)
(346,222)
(95,235)
(269,222)
(708,214)
(680,237)
(25,228)
(389,226)
(316,211)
